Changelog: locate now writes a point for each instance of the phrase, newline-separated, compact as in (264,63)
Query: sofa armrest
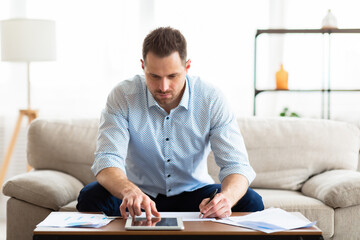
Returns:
(336,188)
(45,188)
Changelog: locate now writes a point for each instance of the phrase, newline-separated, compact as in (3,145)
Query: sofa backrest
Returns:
(284,152)
(66,145)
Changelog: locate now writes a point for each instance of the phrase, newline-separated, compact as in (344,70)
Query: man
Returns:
(155,135)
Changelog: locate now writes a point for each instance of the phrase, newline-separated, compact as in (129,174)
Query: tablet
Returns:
(168,223)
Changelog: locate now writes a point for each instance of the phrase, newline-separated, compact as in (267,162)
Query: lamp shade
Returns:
(28,40)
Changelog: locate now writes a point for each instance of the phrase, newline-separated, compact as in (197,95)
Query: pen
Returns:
(211,198)
(213,195)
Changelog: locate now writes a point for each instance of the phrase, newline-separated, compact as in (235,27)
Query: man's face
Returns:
(165,78)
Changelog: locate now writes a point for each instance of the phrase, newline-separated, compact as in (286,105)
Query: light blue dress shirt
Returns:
(167,153)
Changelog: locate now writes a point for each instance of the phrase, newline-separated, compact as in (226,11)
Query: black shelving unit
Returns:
(323,91)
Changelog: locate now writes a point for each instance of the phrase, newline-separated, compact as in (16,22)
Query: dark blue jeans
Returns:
(95,198)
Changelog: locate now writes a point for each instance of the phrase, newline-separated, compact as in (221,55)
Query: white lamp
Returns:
(26,40)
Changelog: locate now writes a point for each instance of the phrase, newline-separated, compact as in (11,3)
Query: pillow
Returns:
(47,188)
(337,188)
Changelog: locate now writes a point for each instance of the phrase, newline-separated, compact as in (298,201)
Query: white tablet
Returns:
(168,223)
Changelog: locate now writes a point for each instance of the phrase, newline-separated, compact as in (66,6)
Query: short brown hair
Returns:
(164,41)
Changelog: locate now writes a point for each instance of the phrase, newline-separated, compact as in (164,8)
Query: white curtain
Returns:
(99,44)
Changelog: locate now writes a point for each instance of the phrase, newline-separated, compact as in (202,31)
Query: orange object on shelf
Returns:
(282,79)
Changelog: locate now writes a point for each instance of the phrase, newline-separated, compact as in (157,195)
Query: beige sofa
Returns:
(302,165)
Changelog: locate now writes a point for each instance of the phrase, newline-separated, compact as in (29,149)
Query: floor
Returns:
(2,230)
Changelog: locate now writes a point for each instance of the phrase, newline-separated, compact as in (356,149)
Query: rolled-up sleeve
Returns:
(113,136)
(227,142)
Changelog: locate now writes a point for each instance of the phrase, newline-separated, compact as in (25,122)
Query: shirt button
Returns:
(168,160)
(169,190)
(167,118)
(167,139)
(169,175)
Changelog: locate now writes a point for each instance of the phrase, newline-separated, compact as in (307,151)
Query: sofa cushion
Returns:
(295,201)
(285,152)
(48,189)
(70,207)
(337,188)
(66,145)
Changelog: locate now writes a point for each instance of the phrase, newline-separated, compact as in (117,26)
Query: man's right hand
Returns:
(132,197)
(135,200)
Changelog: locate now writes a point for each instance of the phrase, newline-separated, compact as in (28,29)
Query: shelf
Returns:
(323,31)
(257,91)
(325,92)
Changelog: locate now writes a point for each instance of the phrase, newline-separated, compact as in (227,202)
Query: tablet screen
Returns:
(155,222)
(141,223)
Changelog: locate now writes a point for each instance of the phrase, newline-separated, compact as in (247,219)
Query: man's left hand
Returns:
(219,206)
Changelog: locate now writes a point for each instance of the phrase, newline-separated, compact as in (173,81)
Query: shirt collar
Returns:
(184,100)
(151,100)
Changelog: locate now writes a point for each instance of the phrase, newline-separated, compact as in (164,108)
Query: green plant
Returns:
(287,113)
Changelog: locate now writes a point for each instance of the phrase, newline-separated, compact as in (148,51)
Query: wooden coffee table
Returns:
(193,230)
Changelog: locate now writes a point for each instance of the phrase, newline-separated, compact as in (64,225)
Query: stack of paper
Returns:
(74,219)
(269,220)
